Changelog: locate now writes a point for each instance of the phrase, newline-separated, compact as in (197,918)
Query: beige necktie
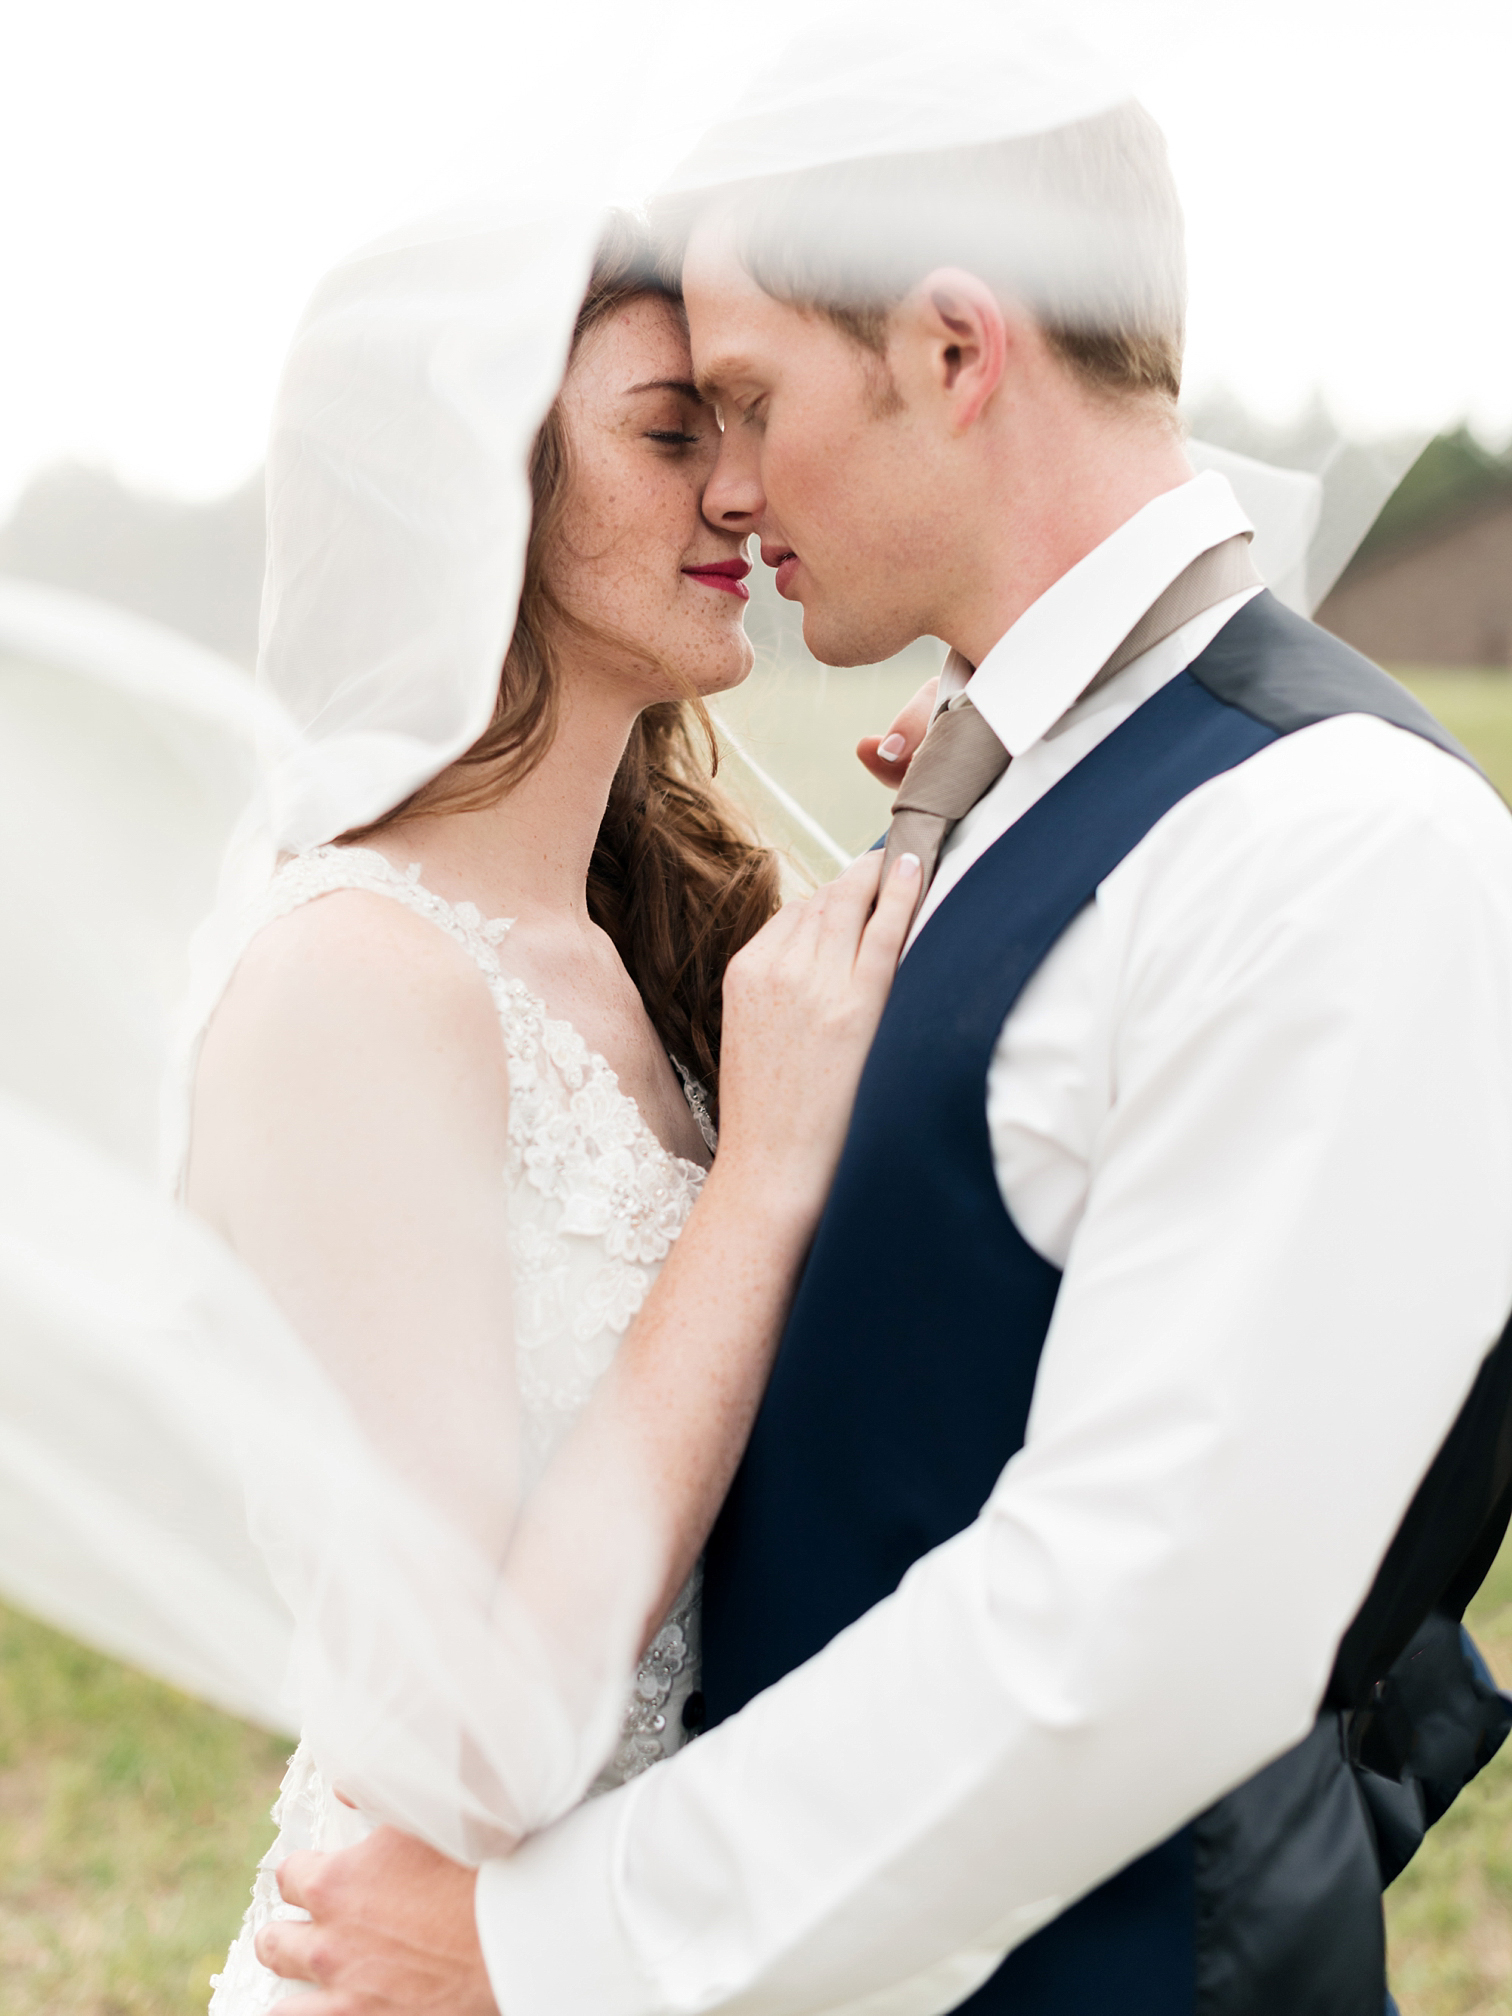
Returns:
(960,759)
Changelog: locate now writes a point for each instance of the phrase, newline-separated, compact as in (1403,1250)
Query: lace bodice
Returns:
(595,1202)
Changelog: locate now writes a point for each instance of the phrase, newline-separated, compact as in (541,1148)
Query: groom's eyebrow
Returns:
(683,385)
(719,373)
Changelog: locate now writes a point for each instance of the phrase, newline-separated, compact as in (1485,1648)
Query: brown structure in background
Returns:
(1439,596)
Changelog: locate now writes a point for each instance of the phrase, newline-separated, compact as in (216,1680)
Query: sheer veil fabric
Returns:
(181,1480)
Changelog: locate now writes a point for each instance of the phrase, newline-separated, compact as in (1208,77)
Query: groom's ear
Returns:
(959,337)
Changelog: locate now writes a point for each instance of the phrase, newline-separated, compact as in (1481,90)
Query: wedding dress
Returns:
(595,1202)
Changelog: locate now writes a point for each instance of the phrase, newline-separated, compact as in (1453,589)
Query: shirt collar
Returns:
(1041,667)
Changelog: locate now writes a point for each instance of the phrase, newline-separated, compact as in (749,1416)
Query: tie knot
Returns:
(959,759)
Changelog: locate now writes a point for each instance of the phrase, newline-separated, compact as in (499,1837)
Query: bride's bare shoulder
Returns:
(357,945)
(326,999)
(348,938)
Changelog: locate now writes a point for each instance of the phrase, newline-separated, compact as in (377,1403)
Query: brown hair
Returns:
(678,880)
(1082,225)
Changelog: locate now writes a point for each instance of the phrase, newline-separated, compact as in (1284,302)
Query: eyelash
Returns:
(672,439)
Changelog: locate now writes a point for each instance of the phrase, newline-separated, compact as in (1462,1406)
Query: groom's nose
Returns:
(733,499)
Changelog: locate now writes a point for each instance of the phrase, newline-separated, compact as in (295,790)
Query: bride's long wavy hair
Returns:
(678,878)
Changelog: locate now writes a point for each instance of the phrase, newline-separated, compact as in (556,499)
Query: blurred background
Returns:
(173,180)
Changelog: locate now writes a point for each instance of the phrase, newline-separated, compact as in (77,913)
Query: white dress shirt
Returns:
(1257,1104)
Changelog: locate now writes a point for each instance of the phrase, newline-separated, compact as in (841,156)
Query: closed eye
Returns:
(672,436)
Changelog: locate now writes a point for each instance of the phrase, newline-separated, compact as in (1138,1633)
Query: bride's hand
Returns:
(801,1005)
(888,756)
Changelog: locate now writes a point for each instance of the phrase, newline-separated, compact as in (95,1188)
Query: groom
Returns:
(1082,1632)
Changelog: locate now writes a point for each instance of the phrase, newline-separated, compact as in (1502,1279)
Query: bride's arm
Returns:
(349,1142)
(350,1137)
(644,1473)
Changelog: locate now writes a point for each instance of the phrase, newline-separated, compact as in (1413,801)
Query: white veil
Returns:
(398,508)
(180,1481)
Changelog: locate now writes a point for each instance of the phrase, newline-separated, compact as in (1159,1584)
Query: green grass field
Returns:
(1449,1914)
(1476,707)
(131,1818)
(130,1821)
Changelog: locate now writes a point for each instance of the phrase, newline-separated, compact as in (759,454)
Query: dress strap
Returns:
(322,870)
(698,1104)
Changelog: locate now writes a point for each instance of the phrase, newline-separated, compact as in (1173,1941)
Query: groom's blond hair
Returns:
(1081,226)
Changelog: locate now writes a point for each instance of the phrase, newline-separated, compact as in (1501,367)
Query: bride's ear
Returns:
(959,337)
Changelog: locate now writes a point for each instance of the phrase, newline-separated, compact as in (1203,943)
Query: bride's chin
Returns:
(727,677)
(719,667)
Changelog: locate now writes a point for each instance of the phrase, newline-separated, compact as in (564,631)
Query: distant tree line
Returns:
(1454,473)
(197,566)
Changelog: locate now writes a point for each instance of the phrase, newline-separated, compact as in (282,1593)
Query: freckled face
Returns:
(636,555)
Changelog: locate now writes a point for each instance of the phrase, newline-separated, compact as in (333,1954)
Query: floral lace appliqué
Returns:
(595,1199)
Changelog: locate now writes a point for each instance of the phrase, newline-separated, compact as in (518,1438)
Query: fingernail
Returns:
(907,867)
(891,748)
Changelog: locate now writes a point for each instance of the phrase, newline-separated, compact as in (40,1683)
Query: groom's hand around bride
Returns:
(391,1932)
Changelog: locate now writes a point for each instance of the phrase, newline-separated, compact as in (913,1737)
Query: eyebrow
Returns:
(683,385)
(720,372)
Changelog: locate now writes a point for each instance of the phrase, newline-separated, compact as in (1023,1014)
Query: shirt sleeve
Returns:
(1293,1256)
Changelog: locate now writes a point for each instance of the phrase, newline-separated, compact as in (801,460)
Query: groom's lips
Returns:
(785,560)
(726,575)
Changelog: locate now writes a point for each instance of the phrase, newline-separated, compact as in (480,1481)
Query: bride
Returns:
(457,1101)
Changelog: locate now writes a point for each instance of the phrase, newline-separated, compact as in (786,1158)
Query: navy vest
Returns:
(884,1431)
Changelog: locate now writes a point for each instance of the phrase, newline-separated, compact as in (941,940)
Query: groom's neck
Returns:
(1049,489)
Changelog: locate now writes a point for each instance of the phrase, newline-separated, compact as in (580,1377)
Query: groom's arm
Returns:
(1294,1255)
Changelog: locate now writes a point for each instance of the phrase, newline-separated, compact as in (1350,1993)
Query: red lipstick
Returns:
(726,575)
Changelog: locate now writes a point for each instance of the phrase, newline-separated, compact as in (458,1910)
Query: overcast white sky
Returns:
(175,174)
